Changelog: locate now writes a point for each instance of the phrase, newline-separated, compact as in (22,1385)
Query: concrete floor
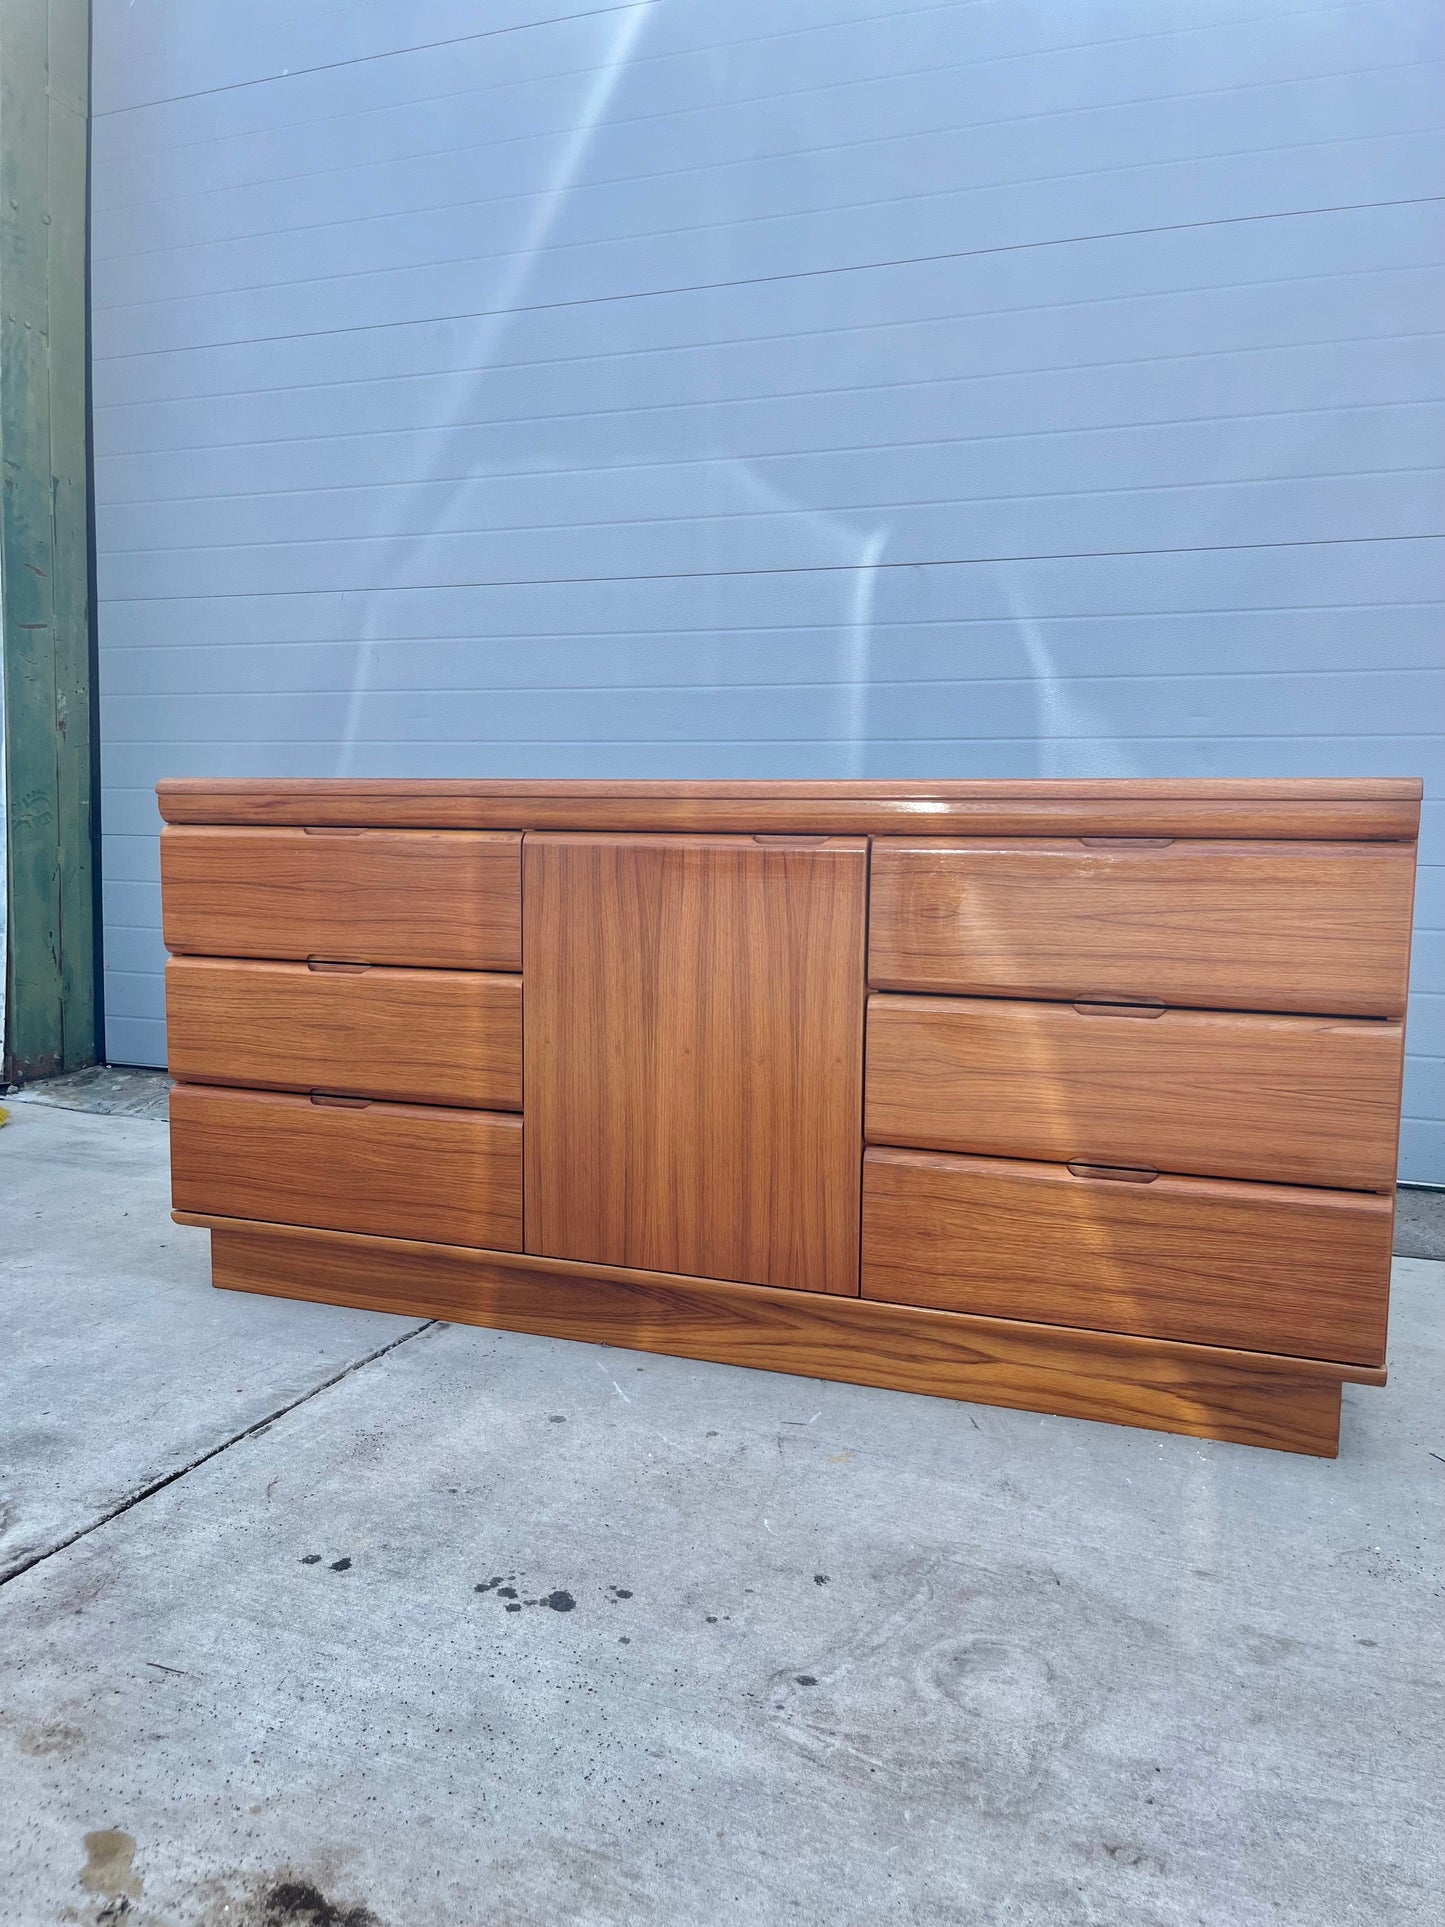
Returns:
(779,1651)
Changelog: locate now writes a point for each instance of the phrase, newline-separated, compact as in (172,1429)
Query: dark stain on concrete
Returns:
(820,1578)
(311,1559)
(109,1868)
(296,1903)
(805,1679)
(341,1565)
(560,1601)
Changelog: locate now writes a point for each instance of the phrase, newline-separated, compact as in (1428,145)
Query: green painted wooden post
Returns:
(45,604)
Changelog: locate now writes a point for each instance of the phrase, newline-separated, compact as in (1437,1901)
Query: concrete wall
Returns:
(768,387)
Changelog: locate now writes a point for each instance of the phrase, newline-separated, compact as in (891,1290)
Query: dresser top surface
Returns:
(1386,808)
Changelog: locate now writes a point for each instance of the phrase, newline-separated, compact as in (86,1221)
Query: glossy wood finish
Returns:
(693,1012)
(397,1170)
(449,899)
(1203,1393)
(1224,807)
(694,1050)
(1271,1268)
(1312,927)
(1296,1100)
(426,1036)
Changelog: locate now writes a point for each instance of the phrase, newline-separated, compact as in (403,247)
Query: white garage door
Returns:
(767,387)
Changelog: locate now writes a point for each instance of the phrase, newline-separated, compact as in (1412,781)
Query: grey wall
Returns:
(768,387)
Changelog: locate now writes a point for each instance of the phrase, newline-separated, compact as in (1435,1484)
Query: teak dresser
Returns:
(1080,1097)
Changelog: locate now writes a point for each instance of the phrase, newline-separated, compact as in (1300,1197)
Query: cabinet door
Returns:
(693,1054)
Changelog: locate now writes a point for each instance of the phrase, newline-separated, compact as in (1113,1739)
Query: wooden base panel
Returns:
(1200,1391)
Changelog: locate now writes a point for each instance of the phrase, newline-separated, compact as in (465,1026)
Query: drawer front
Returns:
(1262,1267)
(424,1036)
(1300,1100)
(451,899)
(1316,927)
(394,1170)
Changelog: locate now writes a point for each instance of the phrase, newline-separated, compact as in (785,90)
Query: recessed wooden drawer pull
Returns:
(1120,1173)
(1126,842)
(342,1103)
(327,963)
(783,836)
(1103,1007)
(335,829)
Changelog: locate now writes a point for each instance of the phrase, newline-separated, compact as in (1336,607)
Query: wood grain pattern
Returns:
(1311,927)
(1228,807)
(1282,1403)
(397,1170)
(449,899)
(694,1049)
(1272,1268)
(422,1036)
(1296,1100)
(694,1015)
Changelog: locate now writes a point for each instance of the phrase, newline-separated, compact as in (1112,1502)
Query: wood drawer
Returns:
(1317,927)
(1300,1100)
(451,899)
(395,1170)
(1270,1268)
(425,1036)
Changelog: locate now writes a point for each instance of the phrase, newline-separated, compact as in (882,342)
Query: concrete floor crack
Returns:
(153,1486)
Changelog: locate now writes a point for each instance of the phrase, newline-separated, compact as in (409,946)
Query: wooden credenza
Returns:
(1080,1097)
